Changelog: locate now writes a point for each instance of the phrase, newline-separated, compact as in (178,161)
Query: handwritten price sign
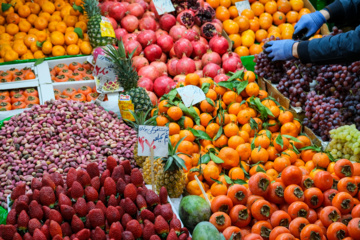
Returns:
(191,95)
(163,6)
(104,67)
(153,137)
(242,5)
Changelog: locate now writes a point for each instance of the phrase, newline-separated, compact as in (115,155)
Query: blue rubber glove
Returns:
(280,50)
(309,23)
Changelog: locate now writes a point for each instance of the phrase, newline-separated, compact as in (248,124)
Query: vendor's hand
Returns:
(280,50)
(309,24)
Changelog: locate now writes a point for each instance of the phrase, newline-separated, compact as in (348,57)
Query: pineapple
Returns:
(100,30)
(128,77)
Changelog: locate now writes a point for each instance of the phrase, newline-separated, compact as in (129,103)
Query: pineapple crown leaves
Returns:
(140,119)
(91,8)
(173,161)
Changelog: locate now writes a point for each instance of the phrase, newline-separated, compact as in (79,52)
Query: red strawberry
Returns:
(11,217)
(118,173)
(127,179)
(71,177)
(45,229)
(17,236)
(185,230)
(20,205)
(18,191)
(109,186)
(66,238)
(57,179)
(134,227)
(136,177)
(104,175)
(36,195)
(27,236)
(55,228)
(46,211)
(47,181)
(152,198)
(120,210)
(157,210)
(66,229)
(81,207)
(98,234)
(130,192)
(166,212)
(24,198)
(129,206)
(38,235)
(95,183)
(93,170)
(7,232)
(91,194)
(34,223)
(141,202)
(64,200)
(127,235)
(77,190)
(147,214)
(68,192)
(36,184)
(149,230)
(67,212)
(161,226)
(142,191)
(56,216)
(155,237)
(115,231)
(176,225)
(111,163)
(163,195)
(113,201)
(23,221)
(120,186)
(127,166)
(47,196)
(102,196)
(97,218)
(76,224)
(112,215)
(125,219)
(101,206)
(183,236)
(90,205)
(83,234)
(59,190)
(83,178)
(57,237)
(172,235)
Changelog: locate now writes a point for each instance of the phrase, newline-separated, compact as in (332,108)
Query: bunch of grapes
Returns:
(345,143)
(351,110)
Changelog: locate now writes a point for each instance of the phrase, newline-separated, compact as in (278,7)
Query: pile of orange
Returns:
(265,18)
(42,28)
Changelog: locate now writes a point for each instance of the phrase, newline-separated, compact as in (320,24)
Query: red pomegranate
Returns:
(149,72)
(130,23)
(160,32)
(229,54)
(204,41)
(215,20)
(152,52)
(186,18)
(198,64)
(139,62)
(129,37)
(113,22)
(153,9)
(149,14)
(167,21)
(163,58)
(120,33)
(209,30)
(130,46)
(191,35)
(211,57)
(146,83)
(171,66)
(165,42)
(177,31)
(105,7)
(135,9)
(163,85)
(146,37)
(199,73)
(219,44)
(185,65)
(183,46)
(160,66)
(221,78)
(211,70)
(117,11)
(153,98)
(199,49)
(231,64)
(179,78)
(196,28)
(147,23)
(144,4)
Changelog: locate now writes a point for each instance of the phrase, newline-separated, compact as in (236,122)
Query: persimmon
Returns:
(221,204)
(220,220)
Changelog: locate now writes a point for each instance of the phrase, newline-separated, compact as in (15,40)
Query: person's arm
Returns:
(343,11)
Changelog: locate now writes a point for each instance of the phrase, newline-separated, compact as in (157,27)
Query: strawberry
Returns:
(68,192)
(64,200)
(176,225)
(127,166)
(112,201)
(136,177)
(104,175)
(90,205)
(112,215)
(157,210)
(167,212)
(125,219)
(46,211)
(152,198)
(120,210)
(129,206)
(91,194)
(24,198)
(147,214)
(58,190)
(38,235)
(101,206)
(34,223)
(7,232)
(67,212)
(93,169)
(185,230)
(127,179)
(134,227)
(161,226)
(36,195)
(27,236)
(141,202)
(80,207)
(95,183)
(18,191)
(66,229)
(118,173)
(142,191)
(98,234)
(76,224)
(102,196)
(115,231)
(77,190)
(47,181)
(111,163)
(127,235)
(97,218)
(57,237)
(57,179)
(71,177)
(83,178)
(66,238)
(163,195)
(155,237)
(11,217)
(45,229)
(36,184)
(130,192)
(55,228)
(120,186)
(17,236)
(23,221)
(47,196)
(172,235)
(183,236)
(109,186)
(149,230)
(21,205)
(83,234)
(56,216)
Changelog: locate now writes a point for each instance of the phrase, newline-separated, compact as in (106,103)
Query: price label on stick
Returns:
(242,5)
(153,137)
(163,6)
(191,95)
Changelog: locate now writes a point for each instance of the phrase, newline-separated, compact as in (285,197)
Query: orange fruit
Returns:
(291,16)
(265,22)
(260,35)
(284,6)
(254,25)
(247,40)
(12,29)
(225,3)
(258,8)
(187,135)
(73,49)
(29,39)
(231,129)
(192,79)
(296,5)
(229,156)
(222,13)
(242,51)
(230,26)
(259,154)
(279,18)
(61,27)
(236,173)
(58,51)
(235,141)
(40,23)
(47,47)
(24,11)
(57,38)
(255,49)
(243,23)
(236,39)
(233,12)
(248,13)
(213,3)
(85,48)
(271,7)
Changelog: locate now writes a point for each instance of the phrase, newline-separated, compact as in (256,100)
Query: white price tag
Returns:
(163,6)
(104,67)
(242,5)
(191,95)
(153,137)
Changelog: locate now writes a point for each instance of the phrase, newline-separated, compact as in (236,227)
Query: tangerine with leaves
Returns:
(174,113)
(229,156)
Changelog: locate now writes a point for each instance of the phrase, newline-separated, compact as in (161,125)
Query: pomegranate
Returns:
(211,70)
(165,42)
(191,35)
(130,46)
(160,66)
(144,4)
(139,62)
(113,22)
(218,22)
(177,31)
(185,65)
(146,37)
(152,52)
(167,21)
(135,9)
(117,11)
(149,14)
(221,78)
(120,33)
(149,72)
(163,85)
(211,57)
(171,66)
(219,44)
(209,30)
(186,18)
(195,5)
(199,49)
(163,58)
(130,23)
(153,98)
(196,28)
(160,32)
(129,37)
(179,78)
(183,46)
(146,83)
(172,53)
(147,23)
(198,64)
(231,64)
(153,9)
(105,7)
(199,73)
(204,15)
(229,54)
(204,41)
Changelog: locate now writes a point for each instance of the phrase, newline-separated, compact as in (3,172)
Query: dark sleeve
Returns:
(344,11)
(341,48)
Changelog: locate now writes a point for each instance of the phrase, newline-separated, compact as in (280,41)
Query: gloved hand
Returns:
(280,50)
(309,23)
